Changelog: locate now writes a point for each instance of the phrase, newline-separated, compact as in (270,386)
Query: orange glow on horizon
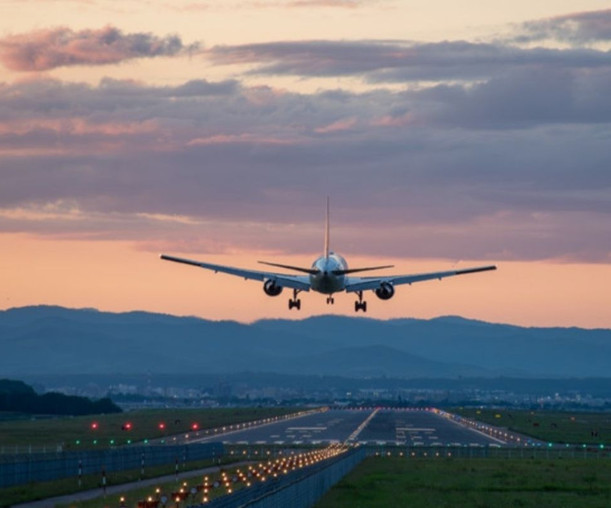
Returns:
(116,277)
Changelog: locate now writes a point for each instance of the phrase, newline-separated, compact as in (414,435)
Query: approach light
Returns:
(94,425)
(161,426)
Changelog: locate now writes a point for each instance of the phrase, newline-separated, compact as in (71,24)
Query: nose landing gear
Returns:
(360,304)
(330,300)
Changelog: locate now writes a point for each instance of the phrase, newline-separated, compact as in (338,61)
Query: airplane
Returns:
(329,274)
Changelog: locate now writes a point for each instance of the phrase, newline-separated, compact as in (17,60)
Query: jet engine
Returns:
(271,288)
(386,291)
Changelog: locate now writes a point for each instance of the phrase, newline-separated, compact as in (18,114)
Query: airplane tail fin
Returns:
(327,232)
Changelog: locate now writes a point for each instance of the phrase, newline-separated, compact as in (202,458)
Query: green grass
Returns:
(554,426)
(76,433)
(383,482)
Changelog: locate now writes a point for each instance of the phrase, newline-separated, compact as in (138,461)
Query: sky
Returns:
(446,134)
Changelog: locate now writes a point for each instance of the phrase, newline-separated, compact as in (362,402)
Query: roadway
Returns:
(372,426)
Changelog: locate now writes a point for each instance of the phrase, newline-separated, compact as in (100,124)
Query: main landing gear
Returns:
(360,304)
(295,302)
(330,300)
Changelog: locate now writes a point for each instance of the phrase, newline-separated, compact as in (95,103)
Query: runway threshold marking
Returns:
(414,429)
(306,428)
(217,437)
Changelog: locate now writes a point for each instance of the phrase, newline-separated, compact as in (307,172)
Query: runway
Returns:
(366,426)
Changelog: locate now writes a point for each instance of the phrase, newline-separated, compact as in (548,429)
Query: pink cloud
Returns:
(59,47)
(78,127)
(393,121)
(223,139)
(339,126)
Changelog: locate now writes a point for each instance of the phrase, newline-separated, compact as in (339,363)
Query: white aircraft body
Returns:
(329,274)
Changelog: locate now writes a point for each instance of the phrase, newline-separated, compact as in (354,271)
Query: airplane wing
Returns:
(364,283)
(301,282)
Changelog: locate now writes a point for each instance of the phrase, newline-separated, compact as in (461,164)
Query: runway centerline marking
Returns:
(359,429)
(305,428)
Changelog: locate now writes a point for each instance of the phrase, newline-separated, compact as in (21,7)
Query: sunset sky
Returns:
(447,134)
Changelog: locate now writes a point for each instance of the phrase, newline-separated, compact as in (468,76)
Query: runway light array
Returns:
(495,432)
(226,482)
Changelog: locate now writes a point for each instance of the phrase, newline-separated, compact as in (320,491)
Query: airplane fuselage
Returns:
(326,280)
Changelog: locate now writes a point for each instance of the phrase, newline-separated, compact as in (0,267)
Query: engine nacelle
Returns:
(271,288)
(386,291)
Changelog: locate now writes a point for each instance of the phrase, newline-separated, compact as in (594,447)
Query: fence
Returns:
(303,488)
(490,452)
(299,489)
(39,467)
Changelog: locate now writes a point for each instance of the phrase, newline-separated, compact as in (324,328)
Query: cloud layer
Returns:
(459,149)
(580,27)
(60,47)
(121,159)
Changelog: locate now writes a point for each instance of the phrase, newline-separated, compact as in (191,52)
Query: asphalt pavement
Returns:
(379,426)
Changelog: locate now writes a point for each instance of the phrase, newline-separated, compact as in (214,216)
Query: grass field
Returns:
(78,432)
(554,426)
(392,481)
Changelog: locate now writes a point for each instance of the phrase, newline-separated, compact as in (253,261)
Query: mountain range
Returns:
(55,340)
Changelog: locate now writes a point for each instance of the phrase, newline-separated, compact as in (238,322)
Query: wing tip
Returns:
(476,270)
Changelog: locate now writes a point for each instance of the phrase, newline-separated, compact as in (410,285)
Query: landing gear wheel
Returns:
(330,300)
(360,304)
(295,302)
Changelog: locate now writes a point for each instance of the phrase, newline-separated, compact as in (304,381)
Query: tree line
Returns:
(19,397)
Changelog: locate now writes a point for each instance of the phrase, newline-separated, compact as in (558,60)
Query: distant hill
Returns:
(16,396)
(54,340)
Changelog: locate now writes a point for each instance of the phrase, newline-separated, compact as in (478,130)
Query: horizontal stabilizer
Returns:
(311,271)
(354,270)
